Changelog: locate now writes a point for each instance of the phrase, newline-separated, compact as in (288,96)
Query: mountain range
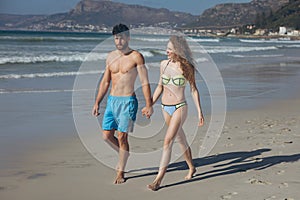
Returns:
(288,15)
(237,14)
(103,13)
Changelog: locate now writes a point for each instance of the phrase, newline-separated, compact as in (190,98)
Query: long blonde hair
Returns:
(183,55)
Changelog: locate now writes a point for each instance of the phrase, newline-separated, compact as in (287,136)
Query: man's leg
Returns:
(109,138)
(123,156)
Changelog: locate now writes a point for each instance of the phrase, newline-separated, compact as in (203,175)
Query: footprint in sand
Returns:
(283,185)
(226,197)
(228,145)
(9,187)
(285,130)
(258,182)
(248,122)
(229,195)
(37,175)
(29,174)
(270,198)
(280,172)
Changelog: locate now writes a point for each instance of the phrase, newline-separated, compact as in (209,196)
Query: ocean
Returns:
(41,74)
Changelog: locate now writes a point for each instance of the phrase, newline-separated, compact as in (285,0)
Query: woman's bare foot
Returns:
(191,173)
(154,186)
(120,178)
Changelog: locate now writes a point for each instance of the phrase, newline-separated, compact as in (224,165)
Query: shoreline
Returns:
(292,38)
(241,36)
(257,152)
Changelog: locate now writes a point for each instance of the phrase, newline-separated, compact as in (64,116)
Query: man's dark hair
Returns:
(120,29)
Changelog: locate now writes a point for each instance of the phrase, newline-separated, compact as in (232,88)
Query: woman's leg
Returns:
(181,138)
(174,122)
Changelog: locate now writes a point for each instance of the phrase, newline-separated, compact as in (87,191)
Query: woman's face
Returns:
(170,50)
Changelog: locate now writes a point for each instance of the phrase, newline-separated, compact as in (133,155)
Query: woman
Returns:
(174,74)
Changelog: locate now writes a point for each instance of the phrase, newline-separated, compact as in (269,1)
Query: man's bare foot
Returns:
(190,174)
(120,178)
(154,186)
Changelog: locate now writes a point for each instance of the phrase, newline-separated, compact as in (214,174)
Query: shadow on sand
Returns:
(225,164)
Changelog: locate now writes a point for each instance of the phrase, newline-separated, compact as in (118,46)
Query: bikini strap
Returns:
(166,66)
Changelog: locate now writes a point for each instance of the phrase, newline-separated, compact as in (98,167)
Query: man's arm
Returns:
(103,87)
(143,75)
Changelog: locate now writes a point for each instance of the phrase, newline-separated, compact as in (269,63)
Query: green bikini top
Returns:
(178,80)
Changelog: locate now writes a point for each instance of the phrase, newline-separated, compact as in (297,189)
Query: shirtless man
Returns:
(123,65)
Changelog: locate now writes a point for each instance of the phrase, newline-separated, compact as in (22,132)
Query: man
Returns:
(123,65)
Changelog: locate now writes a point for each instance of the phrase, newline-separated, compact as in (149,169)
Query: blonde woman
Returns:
(175,73)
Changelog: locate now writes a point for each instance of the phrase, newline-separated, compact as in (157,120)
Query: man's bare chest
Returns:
(122,66)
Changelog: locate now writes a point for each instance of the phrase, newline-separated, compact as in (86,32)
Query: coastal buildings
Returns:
(248,30)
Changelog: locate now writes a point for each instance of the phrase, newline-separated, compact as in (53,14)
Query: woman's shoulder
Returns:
(164,62)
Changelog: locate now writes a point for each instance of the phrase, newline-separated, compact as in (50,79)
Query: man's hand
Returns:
(95,111)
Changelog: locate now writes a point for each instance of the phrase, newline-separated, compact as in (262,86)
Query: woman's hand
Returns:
(201,120)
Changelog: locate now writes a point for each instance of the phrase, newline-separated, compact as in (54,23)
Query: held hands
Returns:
(147,111)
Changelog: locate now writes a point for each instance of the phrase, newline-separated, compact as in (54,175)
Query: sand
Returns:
(256,157)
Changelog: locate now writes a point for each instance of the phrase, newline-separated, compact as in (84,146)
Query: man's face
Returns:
(121,41)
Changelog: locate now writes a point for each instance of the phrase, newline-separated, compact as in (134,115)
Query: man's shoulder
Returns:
(136,53)
(137,56)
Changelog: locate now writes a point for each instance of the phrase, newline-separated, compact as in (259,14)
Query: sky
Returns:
(195,7)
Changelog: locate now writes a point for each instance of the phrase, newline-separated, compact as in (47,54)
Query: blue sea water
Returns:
(38,70)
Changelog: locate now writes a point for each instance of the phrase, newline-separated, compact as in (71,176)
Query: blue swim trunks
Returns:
(120,113)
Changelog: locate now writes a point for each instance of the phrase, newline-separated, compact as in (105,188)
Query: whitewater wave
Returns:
(63,57)
(199,60)
(204,39)
(48,75)
(146,53)
(52,58)
(147,39)
(271,41)
(49,39)
(232,49)
(5,91)
(256,56)
(290,46)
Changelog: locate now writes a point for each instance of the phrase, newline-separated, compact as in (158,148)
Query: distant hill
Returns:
(236,14)
(9,20)
(288,15)
(111,13)
(105,14)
